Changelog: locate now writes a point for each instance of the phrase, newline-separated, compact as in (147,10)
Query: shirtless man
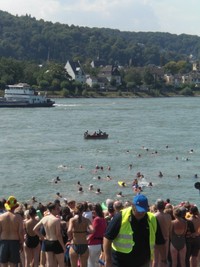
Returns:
(53,242)
(164,219)
(11,234)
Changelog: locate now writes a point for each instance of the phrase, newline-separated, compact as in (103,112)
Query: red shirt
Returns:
(99,225)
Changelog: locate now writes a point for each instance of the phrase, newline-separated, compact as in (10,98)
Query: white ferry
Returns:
(22,95)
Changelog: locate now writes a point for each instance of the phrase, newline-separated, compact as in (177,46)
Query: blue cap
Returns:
(141,203)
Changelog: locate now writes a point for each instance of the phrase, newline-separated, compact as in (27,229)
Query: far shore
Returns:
(122,95)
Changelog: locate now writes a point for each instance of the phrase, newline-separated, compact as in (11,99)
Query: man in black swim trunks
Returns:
(11,234)
(53,242)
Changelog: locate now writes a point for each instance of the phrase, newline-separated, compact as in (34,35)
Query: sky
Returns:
(173,16)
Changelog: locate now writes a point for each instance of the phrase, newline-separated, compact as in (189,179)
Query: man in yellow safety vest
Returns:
(131,235)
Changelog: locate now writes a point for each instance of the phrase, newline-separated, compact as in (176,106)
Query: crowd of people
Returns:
(115,233)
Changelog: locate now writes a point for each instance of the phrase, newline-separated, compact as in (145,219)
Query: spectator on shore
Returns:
(95,240)
(32,242)
(131,235)
(77,234)
(195,244)
(11,234)
(178,240)
(53,242)
(164,219)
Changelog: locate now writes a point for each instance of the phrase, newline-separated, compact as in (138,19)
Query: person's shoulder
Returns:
(2,215)
(86,220)
(117,217)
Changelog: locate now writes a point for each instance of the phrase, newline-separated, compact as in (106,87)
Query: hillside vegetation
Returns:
(25,38)
(35,52)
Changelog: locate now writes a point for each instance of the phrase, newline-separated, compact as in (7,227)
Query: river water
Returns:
(37,145)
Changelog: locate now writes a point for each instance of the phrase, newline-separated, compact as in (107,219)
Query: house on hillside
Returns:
(195,66)
(111,72)
(97,63)
(75,71)
(100,81)
(191,78)
(174,80)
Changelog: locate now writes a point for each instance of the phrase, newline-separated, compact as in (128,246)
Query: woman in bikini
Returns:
(178,241)
(79,228)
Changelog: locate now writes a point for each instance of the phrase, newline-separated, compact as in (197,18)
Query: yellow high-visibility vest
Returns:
(124,241)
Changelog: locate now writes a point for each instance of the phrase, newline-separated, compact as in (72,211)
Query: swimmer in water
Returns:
(80,190)
(119,194)
(91,187)
(130,166)
(56,180)
(58,195)
(98,191)
(108,178)
(123,184)
(79,183)
(160,174)
(34,199)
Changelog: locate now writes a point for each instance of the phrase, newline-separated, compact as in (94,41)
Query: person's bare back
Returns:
(51,224)
(11,234)
(11,226)
(164,220)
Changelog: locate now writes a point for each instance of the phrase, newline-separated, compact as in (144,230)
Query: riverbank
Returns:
(117,94)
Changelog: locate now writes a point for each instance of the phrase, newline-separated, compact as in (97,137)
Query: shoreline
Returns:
(121,95)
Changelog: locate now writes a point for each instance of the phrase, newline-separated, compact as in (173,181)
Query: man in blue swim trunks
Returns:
(11,234)
(53,241)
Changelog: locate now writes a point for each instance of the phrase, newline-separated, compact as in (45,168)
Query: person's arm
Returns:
(58,233)
(21,232)
(111,233)
(69,230)
(159,236)
(161,242)
(36,229)
(107,252)
(90,227)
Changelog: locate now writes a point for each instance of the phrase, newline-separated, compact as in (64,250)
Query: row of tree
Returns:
(25,38)
(35,51)
(53,76)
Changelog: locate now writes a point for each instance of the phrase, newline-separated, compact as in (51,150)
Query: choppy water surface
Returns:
(36,145)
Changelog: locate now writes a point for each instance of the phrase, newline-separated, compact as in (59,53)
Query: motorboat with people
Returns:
(22,95)
(96,135)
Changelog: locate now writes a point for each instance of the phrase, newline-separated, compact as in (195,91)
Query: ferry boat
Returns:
(22,95)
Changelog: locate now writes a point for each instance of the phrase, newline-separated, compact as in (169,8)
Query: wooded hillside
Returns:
(25,38)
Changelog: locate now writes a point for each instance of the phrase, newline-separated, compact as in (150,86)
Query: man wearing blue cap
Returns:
(131,235)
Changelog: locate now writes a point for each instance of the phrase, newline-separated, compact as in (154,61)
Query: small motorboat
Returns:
(96,135)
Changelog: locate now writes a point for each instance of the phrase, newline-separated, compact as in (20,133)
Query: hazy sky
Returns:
(173,16)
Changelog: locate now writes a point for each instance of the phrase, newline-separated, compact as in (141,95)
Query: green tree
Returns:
(148,78)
